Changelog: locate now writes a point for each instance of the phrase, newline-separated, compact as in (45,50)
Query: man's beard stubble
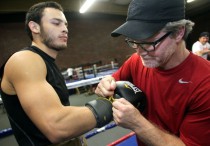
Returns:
(49,42)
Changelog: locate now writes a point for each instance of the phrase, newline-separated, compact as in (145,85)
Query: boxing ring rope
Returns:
(108,126)
(91,80)
(129,139)
(6,132)
(84,82)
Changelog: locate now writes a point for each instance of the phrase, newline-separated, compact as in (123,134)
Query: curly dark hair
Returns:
(35,13)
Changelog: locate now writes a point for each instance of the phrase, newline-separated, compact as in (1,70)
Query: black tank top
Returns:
(25,132)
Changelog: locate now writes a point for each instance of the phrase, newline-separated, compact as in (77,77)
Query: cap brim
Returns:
(137,29)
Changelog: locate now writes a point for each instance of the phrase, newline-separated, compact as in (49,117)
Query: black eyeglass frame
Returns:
(131,43)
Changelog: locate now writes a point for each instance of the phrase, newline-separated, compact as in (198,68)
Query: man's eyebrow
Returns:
(60,20)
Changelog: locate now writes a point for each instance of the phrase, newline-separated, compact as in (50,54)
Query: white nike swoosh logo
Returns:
(184,82)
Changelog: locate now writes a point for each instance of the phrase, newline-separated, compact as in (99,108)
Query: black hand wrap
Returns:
(131,93)
(102,110)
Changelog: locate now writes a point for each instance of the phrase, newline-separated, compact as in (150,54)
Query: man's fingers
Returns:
(102,91)
(112,84)
(121,101)
(106,87)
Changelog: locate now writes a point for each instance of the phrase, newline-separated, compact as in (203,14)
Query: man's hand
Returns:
(121,89)
(106,87)
(125,114)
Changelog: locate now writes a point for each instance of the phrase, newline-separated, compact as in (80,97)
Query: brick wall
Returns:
(89,39)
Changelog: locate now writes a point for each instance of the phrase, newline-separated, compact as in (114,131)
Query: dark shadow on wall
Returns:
(89,39)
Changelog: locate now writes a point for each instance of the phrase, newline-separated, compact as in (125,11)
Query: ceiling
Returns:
(115,7)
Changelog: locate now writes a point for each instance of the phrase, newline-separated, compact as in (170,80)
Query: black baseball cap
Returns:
(204,34)
(147,17)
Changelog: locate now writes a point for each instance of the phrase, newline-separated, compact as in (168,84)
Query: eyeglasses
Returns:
(146,45)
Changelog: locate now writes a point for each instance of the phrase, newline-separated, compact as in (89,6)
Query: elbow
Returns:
(54,138)
(56,134)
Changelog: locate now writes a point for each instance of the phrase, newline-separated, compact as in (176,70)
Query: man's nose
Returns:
(65,28)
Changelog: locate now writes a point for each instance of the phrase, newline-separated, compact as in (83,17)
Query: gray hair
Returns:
(174,27)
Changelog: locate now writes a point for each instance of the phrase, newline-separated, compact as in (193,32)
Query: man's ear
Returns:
(180,33)
(35,28)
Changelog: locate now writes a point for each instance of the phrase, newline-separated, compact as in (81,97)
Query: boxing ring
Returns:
(127,140)
(90,79)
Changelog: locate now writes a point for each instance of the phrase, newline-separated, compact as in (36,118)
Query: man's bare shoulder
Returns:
(25,55)
(25,63)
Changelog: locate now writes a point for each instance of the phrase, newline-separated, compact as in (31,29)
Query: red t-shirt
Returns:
(178,98)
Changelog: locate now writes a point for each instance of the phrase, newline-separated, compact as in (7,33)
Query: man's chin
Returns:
(60,48)
(150,64)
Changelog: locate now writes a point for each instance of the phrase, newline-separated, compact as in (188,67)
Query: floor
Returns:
(100,139)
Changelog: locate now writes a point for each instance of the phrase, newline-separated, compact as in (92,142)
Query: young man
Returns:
(34,92)
(202,46)
(175,81)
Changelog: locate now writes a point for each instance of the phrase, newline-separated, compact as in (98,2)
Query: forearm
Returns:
(70,122)
(152,135)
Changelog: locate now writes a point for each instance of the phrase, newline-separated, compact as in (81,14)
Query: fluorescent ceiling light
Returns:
(86,5)
(189,1)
